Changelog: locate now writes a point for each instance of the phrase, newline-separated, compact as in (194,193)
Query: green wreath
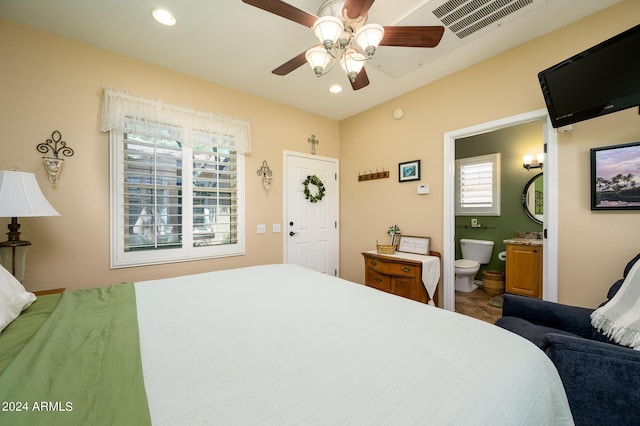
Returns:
(313,180)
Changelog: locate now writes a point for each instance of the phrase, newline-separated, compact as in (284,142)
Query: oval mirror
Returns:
(532,198)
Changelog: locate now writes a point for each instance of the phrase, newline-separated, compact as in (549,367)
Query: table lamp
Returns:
(20,196)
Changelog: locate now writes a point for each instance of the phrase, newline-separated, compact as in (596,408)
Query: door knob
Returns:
(291,233)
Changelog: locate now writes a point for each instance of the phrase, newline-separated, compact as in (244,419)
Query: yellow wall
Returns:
(51,83)
(593,247)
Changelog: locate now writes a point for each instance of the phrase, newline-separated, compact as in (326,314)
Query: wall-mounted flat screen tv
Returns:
(603,79)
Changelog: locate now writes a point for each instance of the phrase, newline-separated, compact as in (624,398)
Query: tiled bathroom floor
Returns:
(474,304)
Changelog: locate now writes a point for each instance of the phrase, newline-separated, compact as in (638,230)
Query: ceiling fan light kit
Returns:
(337,38)
(345,38)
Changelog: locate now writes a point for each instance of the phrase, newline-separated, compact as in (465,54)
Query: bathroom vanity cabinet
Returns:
(395,275)
(524,270)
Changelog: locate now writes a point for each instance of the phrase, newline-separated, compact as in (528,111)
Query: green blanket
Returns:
(21,330)
(82,367)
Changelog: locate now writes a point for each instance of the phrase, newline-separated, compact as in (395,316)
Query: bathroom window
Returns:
(478,185)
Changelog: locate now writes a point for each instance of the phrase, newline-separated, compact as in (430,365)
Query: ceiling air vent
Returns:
(465,17)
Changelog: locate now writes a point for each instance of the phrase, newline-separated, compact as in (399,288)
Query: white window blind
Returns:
(176,193)
(478,185)
(215,192)
(152,193)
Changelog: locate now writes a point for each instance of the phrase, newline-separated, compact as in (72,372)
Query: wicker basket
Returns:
(493,282)
(385,249)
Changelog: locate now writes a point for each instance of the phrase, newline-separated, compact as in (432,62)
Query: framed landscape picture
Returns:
(409,171)
(615,177)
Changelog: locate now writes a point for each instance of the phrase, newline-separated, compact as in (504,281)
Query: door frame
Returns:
(285,214)
(550,179)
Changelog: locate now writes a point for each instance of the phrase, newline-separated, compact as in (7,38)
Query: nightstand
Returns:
(51,291)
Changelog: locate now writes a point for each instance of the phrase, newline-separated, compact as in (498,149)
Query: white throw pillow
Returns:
(13,298)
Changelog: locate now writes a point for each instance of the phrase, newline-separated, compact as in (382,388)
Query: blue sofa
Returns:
(601,378)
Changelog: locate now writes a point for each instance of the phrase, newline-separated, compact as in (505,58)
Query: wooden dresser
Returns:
(402,277)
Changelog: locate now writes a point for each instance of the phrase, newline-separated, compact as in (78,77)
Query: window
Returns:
(478,185)
(176,191)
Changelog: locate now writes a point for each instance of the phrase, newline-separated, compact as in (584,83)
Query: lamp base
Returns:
(13,252)
(13,259)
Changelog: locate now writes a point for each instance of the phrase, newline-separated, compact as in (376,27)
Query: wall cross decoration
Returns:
(313,141)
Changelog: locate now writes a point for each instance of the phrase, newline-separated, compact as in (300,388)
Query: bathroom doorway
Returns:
(550,200)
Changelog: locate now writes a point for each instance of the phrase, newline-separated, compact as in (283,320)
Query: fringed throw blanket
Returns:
(619,319)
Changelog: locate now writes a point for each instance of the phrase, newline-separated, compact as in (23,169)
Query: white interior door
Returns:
(311,229)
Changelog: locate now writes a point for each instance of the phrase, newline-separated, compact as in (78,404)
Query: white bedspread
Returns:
(280,344)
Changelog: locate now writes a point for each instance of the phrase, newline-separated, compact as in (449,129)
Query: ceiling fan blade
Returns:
(357,8)
(284,10)
(419,36)
(362,80)
(291,65)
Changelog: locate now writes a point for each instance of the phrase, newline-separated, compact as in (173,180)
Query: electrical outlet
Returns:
(261,229)
(474,223)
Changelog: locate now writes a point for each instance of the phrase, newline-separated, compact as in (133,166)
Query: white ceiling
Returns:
(237,45)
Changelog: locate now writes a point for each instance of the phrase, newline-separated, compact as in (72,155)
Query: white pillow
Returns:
(13,298)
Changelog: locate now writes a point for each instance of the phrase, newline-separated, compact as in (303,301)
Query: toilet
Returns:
(474,254)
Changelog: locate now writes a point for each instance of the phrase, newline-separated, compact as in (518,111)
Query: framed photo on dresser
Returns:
(417,245)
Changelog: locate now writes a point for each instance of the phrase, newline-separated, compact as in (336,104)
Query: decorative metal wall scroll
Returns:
(53,163)
(266,174)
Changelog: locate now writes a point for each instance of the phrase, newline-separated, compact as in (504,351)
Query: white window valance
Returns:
(125,112)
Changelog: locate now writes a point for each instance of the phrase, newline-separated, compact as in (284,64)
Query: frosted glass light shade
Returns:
(20,196)
(533,162)
(328,29)
(369,37)
(352,63)
(318,59)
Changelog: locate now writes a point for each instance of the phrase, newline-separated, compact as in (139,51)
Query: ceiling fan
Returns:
(345,37)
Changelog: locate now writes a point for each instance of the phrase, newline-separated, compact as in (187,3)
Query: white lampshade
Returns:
(352,63)
(318,58)
(20,196)
(369,37)
(328,29)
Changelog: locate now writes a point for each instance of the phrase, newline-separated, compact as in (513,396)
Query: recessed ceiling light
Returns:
(164,17)
(336,88)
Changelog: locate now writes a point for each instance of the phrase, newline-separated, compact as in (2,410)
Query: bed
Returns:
(269,344)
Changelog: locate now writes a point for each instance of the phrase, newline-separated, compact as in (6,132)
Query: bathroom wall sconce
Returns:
(266,174)
(530,162)
(53,163)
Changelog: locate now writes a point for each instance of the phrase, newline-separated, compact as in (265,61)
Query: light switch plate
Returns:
(261,229)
